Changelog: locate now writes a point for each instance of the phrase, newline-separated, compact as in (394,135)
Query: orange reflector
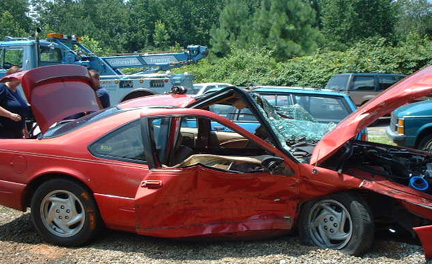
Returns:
(401,126)
(364,137)
(55,35)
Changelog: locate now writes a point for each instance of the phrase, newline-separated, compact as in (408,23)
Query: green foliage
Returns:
(105,21)
(94,46)
(344,22)
(245,67)
(13,19)
(414,16)
(161,36)
(284,27)
(9,26)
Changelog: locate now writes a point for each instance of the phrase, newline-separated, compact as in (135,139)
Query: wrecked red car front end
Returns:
(401,174)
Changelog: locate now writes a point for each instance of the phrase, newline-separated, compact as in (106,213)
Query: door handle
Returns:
(152,184)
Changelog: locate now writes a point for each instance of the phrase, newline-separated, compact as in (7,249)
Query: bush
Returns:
(258,66)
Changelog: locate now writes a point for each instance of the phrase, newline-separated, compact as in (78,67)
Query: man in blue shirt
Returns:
(102,93)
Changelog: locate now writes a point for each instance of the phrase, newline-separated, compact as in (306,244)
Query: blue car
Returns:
(320,106)
(411,125)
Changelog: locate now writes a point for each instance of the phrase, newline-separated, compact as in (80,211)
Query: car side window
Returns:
(385,81)
(50,56)
(338,82)
(124,143)
(12,57)
(363,83)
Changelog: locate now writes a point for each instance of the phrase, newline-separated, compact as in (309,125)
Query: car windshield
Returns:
(67,126)
(292,123)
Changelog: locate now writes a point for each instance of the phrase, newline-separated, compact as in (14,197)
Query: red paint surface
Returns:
(425,235)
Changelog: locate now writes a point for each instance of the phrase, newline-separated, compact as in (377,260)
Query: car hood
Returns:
(414,109)
(416,85)
(56,92)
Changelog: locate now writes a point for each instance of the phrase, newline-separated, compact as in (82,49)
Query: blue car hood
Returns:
(414,109)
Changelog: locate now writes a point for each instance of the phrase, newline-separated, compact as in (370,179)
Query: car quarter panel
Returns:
(29,162)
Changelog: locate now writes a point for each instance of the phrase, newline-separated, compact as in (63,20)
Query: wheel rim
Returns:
(330,224)
(427,146)
(62,213)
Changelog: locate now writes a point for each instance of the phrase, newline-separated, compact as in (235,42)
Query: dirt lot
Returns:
(19,243)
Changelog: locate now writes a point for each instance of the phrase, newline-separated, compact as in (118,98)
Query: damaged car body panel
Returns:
(142,167)
(214,192)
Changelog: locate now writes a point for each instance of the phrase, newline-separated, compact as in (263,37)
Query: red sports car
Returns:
(161,166)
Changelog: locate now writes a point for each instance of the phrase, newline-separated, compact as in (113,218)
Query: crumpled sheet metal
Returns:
(293,122)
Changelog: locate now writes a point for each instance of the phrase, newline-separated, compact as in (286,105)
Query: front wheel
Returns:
(426,143)
(64,213)
(340,221)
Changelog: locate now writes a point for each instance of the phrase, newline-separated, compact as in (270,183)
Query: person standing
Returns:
(101,92)
(13,108)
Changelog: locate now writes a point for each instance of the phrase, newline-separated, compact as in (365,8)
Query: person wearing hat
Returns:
(13,108)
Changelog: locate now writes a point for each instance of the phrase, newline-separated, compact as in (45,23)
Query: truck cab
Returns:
(63,49)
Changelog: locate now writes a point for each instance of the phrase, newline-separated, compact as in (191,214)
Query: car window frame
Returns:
(91,147)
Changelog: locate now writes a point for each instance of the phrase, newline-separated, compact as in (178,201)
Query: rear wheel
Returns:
(340,221)
(64,213)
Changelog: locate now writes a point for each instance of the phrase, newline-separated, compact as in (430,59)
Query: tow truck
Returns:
(64,49)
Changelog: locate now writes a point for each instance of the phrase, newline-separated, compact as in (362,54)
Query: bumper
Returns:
(399,139)
(425,235)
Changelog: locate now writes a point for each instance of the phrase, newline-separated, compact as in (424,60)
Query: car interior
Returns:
(200,140)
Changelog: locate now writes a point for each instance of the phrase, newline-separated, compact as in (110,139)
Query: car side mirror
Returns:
(275,165)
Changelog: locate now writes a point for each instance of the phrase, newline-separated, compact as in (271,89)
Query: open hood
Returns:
(407,90)
(56,92)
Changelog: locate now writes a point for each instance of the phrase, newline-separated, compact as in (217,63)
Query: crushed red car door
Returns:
(194,201)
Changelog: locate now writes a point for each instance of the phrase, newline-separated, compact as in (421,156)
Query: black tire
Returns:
(426,143)
(53,207)
(340,221)
(136,95)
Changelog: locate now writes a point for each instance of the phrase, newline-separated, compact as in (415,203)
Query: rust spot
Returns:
(85,195)
(92,219)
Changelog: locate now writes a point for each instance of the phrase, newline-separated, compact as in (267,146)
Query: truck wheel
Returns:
(136,95)
(426,143)
(64,213)
(339,221)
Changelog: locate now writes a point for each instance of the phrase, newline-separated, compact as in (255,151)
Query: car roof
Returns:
(303,90)
(212,83)
(164,101)
(369,73)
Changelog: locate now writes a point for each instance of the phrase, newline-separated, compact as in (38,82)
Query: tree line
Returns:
(278,31)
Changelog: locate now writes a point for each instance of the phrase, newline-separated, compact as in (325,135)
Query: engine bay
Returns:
(401,165)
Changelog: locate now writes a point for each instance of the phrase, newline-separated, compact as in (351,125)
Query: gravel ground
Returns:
(19,243)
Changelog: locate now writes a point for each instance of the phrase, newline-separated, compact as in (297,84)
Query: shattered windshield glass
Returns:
(292,123)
